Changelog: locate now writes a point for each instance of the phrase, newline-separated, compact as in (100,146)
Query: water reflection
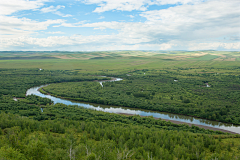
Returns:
(112,80)
(141,112)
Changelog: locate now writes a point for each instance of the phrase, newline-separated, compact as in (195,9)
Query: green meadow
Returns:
(119,61)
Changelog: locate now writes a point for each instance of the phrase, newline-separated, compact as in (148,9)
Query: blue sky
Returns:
(87,25)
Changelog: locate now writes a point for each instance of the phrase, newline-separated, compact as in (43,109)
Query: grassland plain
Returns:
(206,57)
(119,61)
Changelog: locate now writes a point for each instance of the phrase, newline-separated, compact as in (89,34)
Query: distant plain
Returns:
(120,61)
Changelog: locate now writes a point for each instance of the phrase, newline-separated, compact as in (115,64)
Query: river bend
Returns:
(125,110)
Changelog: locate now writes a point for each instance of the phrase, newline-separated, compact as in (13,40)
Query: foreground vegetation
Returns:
(34,128)
(64,132)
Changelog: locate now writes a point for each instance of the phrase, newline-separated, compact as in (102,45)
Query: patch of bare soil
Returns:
(223,56)
(181,57)
(199,54)
(230,59)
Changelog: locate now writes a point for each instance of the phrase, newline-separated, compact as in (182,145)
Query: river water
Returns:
(125,110)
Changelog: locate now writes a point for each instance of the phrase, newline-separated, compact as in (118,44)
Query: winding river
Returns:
(125,110)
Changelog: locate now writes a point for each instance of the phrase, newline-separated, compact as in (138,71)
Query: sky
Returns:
(101,25)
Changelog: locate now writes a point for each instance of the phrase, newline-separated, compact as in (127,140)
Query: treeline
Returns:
(157,90)
(15,82)
(32,99)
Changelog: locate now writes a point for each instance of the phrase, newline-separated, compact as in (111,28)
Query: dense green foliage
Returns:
(156,90)
(72,132)
(84,134)
(15,82)
(61,111)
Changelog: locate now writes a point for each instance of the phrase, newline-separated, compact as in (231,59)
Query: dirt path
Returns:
(189,124)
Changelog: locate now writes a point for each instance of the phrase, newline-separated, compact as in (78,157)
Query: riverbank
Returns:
(109,80)
(189,124)
(131,112)
(173,121)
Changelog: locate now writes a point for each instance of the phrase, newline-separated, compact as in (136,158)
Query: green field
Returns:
(206,57)
(119,61)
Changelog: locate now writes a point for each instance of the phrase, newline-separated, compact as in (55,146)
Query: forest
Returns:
(72,132)
(15,82)
(213,96)
(34,128)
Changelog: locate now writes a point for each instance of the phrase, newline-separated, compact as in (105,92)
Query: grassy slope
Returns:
(114,62)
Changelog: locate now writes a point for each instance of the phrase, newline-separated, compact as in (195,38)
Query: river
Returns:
(125,110)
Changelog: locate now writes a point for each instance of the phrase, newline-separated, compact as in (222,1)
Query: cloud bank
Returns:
(188,24)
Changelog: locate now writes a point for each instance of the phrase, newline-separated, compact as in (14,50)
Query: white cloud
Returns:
(166,46)
(164,2)
(104,42)
(11,26)
(78,24)
(62,15)
(211,19)
(131,16)
(57,32)
(214,46)
(54,10)
(67,25)
(98,42)
(7,7)
(193,25)
(207,21)
(102,17)
(130,5)
(14,27)
(105,25)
